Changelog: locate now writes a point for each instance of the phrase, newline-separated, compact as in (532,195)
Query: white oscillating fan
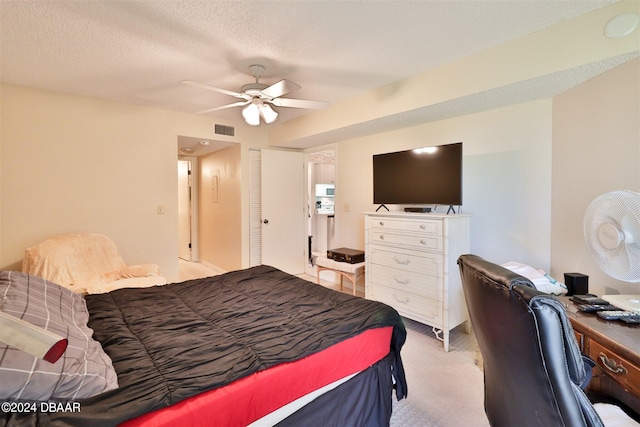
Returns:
(612,235)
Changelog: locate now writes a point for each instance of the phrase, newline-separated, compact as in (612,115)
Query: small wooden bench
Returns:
(353,272)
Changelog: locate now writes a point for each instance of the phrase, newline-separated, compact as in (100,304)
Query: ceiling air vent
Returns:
(224,130)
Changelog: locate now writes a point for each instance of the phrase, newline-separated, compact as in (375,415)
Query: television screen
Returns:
(430,175)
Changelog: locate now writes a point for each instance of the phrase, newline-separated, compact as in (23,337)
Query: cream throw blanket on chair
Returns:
(87,263)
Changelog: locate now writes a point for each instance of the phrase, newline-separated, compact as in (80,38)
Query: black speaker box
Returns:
(419,210)
(577,283)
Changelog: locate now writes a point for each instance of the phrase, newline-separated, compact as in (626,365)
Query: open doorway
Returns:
(191,153)
(321,199)
(185,209)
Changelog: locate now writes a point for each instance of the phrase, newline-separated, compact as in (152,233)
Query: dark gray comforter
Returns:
(171,342)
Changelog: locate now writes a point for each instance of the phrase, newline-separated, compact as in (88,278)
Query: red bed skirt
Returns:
(248,399)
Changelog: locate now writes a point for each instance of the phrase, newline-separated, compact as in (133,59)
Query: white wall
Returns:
(219,226)
(1,201)
(596,149)
(506,174)
(530,171)
(73,164)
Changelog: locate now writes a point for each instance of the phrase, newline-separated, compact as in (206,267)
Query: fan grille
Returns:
(612,234)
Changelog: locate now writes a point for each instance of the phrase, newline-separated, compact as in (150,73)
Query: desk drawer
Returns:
(616,367)
(412,225)
(426,309)
(580,338)
(406,281)
(419,262)
(429,242)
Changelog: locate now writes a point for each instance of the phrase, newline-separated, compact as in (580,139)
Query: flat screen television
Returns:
(430,175)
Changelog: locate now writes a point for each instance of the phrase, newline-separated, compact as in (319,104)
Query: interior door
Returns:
(283,210)
(184,209)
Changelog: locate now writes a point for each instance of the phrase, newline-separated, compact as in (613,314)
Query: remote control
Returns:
(616,314)
(588,299)
(591,308)
(635,319)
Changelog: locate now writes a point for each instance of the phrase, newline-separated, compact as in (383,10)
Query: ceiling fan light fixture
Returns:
(251,113)
(257,98)
(268,114)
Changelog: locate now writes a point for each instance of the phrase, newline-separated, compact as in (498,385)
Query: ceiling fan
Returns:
(258,98)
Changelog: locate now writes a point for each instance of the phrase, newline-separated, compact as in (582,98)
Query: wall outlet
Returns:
(160,210)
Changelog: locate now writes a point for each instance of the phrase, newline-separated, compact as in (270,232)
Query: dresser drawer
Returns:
(406,281)
(621,370)
(426,309)
(428,242)
(412,225)
(419,262)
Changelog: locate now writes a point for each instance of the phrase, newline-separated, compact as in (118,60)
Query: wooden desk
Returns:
(615,347)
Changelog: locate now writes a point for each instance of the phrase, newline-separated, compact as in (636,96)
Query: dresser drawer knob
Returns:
(382,237)
(405,261)
(381,224)
(423,242)
(422,226)
(611,365)
(404,300)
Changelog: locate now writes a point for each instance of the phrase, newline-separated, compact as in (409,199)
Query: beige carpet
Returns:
(444,389)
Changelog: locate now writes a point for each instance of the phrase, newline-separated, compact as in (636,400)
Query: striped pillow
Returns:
(83,370)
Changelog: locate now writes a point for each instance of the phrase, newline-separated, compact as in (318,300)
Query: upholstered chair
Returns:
(533,369)
(87,263)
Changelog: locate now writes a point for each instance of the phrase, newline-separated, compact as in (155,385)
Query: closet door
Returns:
(255,209)
(283,210)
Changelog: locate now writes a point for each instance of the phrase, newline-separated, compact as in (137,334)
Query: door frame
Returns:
(195,256)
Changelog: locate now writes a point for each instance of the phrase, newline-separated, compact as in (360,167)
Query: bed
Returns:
(250,347)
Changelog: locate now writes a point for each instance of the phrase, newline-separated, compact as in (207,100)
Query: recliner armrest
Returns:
(549,309)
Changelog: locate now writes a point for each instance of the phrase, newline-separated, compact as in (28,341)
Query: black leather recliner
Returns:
(533,368)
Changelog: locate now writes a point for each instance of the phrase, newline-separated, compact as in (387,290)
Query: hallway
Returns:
(188,270)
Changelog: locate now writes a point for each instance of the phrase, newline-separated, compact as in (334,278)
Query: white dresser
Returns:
(411,265)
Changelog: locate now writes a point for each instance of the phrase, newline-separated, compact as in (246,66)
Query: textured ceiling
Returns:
(140,51)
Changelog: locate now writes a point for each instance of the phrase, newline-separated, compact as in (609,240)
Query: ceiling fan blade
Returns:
(281,88)
(217,89)
(224,107)
(300,103)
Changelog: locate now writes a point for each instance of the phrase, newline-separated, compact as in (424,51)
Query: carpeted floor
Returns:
(444,389)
